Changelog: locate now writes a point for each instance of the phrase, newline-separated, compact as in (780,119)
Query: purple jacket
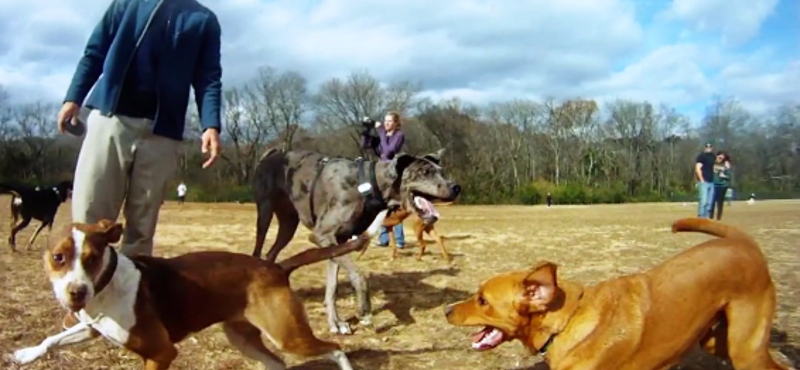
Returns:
(385,146)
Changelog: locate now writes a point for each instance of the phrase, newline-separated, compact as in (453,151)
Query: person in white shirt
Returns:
(181,192)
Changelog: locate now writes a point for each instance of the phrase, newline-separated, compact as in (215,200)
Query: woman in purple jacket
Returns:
(386,145)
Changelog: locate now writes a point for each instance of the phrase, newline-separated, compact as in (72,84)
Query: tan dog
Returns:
(718,294)
(420,226)
(148,304)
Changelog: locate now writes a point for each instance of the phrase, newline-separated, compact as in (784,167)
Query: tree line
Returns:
(502,152)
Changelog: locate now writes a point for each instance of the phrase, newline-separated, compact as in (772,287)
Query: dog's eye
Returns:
(482,301)
(58,258)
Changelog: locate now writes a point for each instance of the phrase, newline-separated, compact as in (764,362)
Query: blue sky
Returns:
(678,52)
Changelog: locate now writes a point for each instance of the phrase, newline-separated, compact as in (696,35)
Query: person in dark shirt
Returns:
(386,145)
(140,63)
(704,172)
(722,181)
(549,199)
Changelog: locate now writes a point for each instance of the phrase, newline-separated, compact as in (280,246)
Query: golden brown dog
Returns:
(718,294)
(420,226)
(148,304)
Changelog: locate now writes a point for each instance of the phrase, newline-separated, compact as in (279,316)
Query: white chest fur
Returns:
(112,311)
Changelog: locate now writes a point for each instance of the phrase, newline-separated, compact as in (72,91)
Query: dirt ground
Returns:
(589,243)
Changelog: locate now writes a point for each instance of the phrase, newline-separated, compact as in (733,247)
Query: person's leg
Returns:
(383,237)
(700,201)
(709,198)
(155,159)
(720,200)
(399,237)
(101,172)
(714,196)
(705,190)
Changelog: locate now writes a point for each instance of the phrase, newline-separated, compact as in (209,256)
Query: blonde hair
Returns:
(396,117)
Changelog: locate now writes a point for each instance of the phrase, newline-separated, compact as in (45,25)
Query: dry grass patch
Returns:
(589,243)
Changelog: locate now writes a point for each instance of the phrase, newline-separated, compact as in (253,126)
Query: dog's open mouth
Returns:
(424,207)
(487,338)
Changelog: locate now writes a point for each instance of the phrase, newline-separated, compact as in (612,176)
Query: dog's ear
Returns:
(400,162)
(112,230)
(540,285)
(435,157)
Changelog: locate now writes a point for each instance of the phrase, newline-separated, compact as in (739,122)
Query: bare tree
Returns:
(521,117)
(36,126)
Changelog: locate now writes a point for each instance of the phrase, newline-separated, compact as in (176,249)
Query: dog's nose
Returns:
(78,292)
(455,189)
(448,310)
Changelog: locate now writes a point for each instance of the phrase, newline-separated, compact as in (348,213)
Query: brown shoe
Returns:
(70,320)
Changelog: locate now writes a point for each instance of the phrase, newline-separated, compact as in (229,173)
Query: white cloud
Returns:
(738,21)
(477,50)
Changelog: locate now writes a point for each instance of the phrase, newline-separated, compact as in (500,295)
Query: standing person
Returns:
(549,199)
(181,192)
(386,145)
(722,182)
(704,172)
(139,64)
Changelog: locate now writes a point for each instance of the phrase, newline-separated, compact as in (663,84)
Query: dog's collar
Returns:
(108,273)
(547,344)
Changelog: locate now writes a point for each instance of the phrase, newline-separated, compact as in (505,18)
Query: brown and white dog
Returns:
(147,304)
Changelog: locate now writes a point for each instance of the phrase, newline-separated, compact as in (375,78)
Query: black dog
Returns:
(34,203)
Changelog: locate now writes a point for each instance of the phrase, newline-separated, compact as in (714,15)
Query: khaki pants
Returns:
(122,160)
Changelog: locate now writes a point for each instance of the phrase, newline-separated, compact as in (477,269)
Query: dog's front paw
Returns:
(342,328)
(26,355)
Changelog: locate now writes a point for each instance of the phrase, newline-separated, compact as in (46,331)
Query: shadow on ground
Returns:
(402,290)
(364,359)
(701,360)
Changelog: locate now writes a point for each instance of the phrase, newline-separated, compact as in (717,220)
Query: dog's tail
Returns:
(314,255)
(710,227)
(9,189)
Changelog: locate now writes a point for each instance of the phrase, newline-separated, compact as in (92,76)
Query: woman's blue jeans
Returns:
(383,238)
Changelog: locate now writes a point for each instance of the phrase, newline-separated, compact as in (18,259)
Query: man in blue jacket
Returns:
(139,64)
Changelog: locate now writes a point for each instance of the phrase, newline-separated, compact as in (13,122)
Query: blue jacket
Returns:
(190,58)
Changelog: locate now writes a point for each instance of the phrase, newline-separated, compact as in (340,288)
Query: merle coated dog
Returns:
(337,198)
(40,203)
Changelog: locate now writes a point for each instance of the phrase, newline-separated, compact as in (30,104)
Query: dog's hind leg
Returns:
(288,220)
(36,233)
(749,326)
(12,239)
(281,317)
(247,339)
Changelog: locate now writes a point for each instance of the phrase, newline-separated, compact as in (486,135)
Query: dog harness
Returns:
(367,187)
(369,190)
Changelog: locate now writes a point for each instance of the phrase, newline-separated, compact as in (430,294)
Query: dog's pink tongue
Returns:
(487,338)
(427,206)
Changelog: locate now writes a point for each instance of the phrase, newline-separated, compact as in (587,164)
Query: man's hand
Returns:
(68,112)
(210,144)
